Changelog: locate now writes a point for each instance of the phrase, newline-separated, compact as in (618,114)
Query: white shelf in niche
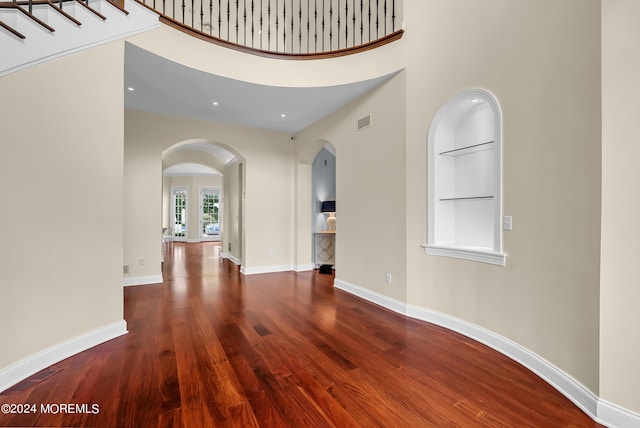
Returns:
(478,254)
(465,179)
(466,198)
(467,150)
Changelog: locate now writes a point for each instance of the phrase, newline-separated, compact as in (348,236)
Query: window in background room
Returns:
(209,214)
(179,213)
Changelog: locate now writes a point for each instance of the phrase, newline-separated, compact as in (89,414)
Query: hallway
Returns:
(211,348)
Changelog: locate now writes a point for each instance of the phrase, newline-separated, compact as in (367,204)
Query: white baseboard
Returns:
(377,298)
(568,386)
(305,267)
(142,280)
(612,415)
(45,358)
(237,261)
(597,409)
(265,269)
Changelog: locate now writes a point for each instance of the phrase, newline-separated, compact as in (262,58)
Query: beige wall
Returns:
(268,187)
(541,61)
(232,219)
(61,180)
(619,290)
(548,83)
(142,207)
(303,232)
(370,165)
(556,296)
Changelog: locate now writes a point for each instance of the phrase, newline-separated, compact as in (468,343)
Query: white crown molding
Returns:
(599,410)
(141,280)
(54,354)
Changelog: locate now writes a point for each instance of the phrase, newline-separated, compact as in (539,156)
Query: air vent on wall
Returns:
(363,122)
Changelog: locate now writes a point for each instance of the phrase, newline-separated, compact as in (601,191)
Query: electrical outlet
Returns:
(141,262)
(388,279)
(125,269)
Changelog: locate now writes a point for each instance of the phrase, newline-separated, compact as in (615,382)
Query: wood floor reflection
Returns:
(211,347)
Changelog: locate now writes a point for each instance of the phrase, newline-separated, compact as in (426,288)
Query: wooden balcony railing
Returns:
(293,29)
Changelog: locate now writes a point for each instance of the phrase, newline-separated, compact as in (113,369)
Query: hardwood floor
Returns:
(213,348)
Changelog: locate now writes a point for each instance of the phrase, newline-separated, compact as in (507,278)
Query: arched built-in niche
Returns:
(465,179)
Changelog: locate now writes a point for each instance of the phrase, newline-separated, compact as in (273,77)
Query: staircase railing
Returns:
(26,7)
(35,31)
(287,28)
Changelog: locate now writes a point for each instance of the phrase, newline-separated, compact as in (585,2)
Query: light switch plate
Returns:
(507,223)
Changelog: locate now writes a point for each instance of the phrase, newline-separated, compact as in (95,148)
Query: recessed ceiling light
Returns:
(475,100)
(215,103)
(130,89)
(283,115)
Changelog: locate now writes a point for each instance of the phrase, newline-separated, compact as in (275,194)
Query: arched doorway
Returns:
(206,178)
(192,202)
(323,183)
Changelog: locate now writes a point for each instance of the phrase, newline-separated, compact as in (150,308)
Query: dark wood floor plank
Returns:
(195,375)
(170,419)
(211,347)
(245,360)
(305,374)
(404,391)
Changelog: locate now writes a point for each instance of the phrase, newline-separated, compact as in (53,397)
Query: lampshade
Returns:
(328,207)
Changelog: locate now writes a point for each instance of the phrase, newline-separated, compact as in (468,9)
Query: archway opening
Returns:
(324,208)
(192,203)
(202,195)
